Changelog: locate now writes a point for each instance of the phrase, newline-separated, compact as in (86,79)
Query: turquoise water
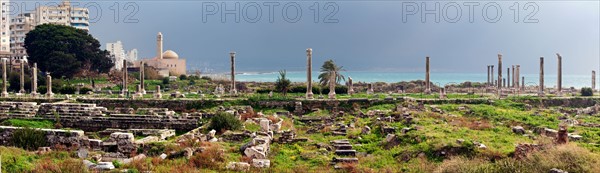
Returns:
(577,81)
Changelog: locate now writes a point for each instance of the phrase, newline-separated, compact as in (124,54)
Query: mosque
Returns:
(167,63)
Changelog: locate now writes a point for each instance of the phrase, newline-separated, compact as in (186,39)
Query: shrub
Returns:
(224,121)
(338,90)
(302,89)
(166,80)
(586,91)
(67,90)
(84,90)
(28,138)
(183,77)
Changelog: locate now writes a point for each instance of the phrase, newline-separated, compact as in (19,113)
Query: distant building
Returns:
(116,50)
(167,63)
(4,28)
(19,26)
(132,55)
(63,14)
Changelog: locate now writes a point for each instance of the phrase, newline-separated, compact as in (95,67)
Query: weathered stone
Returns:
(254,153)
(105,166)
(43,150)
(264,125)
(82,153)
(88,164)
(574,137)
(366,130)
(238,166)
(518,130)
(261,163)
(555,170)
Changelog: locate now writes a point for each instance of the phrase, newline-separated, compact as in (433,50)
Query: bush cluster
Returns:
(586,91)
(28,138)
(224,121)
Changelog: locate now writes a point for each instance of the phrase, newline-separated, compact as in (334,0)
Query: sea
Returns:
(439,79)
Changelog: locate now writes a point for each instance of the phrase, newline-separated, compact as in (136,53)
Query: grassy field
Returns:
(432,144)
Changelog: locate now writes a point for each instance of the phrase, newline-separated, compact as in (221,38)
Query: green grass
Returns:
(29,123)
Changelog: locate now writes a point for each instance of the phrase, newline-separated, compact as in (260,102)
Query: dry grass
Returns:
(570,158)
(213,157)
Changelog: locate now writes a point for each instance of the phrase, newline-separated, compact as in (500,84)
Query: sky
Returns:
(385,35)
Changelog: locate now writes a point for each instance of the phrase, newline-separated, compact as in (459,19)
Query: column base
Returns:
(49,95)
(541,94)
(138,95)
(310,95)
(143,91)
(331,95)
(34,94)
(427,91)
(4,94)
(157,95)
(370,92)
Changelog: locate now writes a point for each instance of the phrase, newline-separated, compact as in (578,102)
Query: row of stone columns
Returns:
(22,91)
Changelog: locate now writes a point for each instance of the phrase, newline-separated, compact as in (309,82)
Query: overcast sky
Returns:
(360,35)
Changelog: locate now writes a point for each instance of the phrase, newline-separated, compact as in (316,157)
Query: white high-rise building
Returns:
(4,28)
(132,55)
(116,50)
(63,14)
(19,26)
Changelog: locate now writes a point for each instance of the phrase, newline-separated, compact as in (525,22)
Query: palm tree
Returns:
(282,84)
(327,69)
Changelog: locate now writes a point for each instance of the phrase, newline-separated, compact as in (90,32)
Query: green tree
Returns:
(282,83)
(66,51)
(327,69)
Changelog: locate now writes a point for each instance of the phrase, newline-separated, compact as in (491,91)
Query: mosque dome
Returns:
(169,54)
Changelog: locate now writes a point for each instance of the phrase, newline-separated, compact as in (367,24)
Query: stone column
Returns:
(523,83)
(488,75)
(142,76)
(492,75)
(309,93)
(503,82)
(427,76)
(513,76)
(34,80)
(370,88)
(507,78)
(518,75)
(157,94)
(22,82)
(49,93)
(332,82)
(138,93)
(541,85)
(593,80)
(124,84)
(350,86)
(559,80)
(499,72)
(233,90)
(4,81)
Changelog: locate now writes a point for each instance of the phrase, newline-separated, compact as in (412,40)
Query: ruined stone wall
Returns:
(184,105)
(579,102)
(54,137)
